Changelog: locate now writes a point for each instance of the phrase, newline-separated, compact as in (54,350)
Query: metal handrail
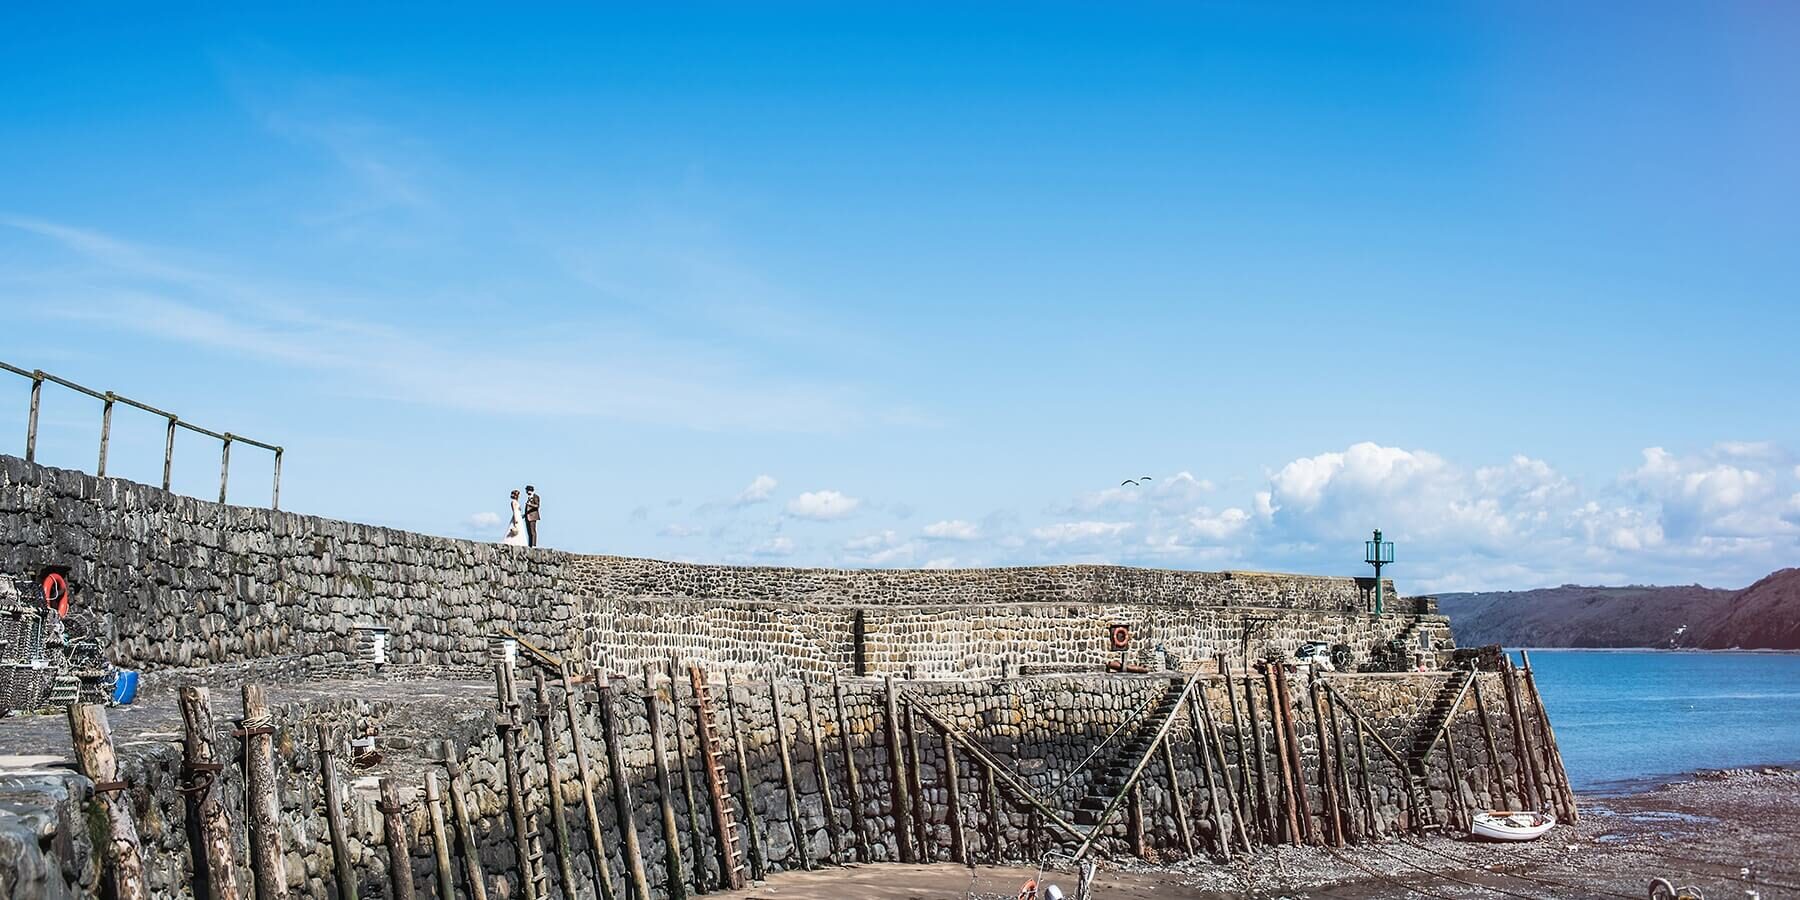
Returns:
(225,438)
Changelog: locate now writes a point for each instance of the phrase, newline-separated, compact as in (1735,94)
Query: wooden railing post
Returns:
(267,860)
(123,853)
(31,420)
(216,856)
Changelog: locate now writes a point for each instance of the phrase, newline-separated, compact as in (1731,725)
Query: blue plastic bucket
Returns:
(125,687)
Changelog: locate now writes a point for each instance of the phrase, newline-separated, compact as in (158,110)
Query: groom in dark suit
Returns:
(531,515)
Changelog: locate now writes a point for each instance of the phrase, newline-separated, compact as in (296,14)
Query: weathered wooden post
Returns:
(1346,794)
(898,778)
(1528,775)
(787,775)
(1368,791)
(621,791)
(959,850)
(1552,753)
(1201,758)
(1218,750)
(1497,781)
(990,798)
(169,461)
(216,858)
(1265,810)
(675,880)
(1290,820)
(400,874)
(1297,761)
(832,834)
(267,861)
(596,834)
(1237,733)
(440,838)
(746,790)
(852,780)
(334,816)
(123,853)
(1134,822)
(696,833)
(1334,823)
(31,418)
(465,831)
(106,412)
(559,822)
(1179,806)
(506,719)
(921,820)
(224,466)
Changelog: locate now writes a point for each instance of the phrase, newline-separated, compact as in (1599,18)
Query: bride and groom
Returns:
(523,530)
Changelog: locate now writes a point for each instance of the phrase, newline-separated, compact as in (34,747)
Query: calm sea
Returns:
(1628,719)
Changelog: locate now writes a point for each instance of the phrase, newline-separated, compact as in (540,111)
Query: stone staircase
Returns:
(1110,780)
(1434,720)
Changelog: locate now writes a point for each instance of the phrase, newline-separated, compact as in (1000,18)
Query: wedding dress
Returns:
(515,533)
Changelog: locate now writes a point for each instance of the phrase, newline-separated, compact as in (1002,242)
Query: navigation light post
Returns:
(1378,553)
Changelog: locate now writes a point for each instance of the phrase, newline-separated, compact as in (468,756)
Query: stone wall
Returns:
(192,583)
(1056,733)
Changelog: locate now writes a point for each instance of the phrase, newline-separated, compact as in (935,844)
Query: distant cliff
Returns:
(1763,616)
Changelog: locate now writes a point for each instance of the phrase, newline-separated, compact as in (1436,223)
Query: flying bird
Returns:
(1134,481)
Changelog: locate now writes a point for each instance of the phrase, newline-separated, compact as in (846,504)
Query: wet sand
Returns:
(1724,833)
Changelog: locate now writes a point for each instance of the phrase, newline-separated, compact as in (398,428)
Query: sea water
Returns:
(1628,719)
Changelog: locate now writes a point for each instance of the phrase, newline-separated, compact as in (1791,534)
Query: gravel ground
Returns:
(1720,832)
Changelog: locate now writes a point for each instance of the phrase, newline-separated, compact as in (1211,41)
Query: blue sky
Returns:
(921,285)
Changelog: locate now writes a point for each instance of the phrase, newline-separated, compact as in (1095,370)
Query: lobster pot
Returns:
(12,635)
(25,685)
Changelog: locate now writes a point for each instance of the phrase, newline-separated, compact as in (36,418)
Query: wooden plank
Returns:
(589,807)
(440,838)
(852,779)
(675,879)
(1134,822)
(832,834)
(122,851)
(400,873)
(215,856)
(621,791)
(267,861)
(559,820)
(334,817)
(792,790)
(900,801)
(473,876)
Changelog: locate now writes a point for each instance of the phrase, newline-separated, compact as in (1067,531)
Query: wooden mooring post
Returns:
(1552,753)
(1218,750)
(789,787)
(959,848)
(507,722)
(333,789)
(473,876)
(621,791)
(1203,760)
(675,879)
(123,853)
(1237,734)
(1178,805)
(1328,791)
(215,855)
(746,794)
(1290,818)
(440,838)
(852,780)
(589,807)
(920,818)
(1351,822)
(553,782)
(1496,771)
(267,861)
(696,832)
(992,814)
(1265,810)
(826,805)
(1527,759)
(1295,760)
(400,873)
(898,778)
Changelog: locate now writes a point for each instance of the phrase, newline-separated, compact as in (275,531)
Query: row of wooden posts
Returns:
(1262,798)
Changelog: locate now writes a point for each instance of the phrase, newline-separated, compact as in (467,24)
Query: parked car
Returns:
(1324,654)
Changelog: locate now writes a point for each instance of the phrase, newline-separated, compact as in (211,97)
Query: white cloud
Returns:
(780,545)
(952,530)
(822,505)
(483,521)
(757,492)
(874,541)
(678,530)
(1076,532)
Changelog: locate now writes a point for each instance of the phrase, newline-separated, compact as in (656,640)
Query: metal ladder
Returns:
(725,825)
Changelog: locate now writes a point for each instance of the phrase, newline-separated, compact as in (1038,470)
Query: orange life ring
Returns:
(56,593)
(1120,637)
(1029,891)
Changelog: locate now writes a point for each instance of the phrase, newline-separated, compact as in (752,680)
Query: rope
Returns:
(1056,790)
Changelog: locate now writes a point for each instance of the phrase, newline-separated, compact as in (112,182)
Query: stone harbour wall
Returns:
(1057,734)
(190,583)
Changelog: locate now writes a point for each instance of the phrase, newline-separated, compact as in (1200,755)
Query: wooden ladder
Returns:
(725,826)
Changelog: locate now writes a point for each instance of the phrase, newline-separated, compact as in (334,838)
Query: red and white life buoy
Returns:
(56,593)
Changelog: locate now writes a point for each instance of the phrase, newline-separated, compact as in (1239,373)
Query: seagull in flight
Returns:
(1134,481)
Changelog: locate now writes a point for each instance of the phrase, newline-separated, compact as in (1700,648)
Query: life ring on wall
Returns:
(56,594)
(1119,637)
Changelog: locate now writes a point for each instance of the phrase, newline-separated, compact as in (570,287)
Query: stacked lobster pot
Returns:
(48,659)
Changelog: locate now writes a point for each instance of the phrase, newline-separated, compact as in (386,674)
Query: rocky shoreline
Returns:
(1723,832)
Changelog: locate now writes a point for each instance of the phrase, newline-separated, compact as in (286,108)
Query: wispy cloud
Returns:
(822,505)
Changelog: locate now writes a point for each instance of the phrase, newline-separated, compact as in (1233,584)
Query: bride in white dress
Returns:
(515,533)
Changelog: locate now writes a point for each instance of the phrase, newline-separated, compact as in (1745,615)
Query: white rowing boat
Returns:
(1511,826)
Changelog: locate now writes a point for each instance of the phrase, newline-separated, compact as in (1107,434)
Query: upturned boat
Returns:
(1503,825)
